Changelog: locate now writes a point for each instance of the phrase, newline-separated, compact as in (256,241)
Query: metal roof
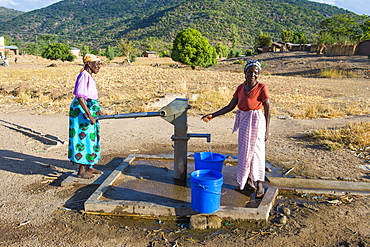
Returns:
(12,47)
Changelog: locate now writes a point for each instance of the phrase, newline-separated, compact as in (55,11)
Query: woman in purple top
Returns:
(84,129)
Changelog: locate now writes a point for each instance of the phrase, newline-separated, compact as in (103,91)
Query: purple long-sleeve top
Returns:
(85,86)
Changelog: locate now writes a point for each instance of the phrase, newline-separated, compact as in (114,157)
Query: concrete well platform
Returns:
(144,185)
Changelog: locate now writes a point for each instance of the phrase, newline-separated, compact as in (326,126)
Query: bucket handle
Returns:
(217,193)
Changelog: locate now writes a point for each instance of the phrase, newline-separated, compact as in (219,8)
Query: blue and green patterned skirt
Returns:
(84,138)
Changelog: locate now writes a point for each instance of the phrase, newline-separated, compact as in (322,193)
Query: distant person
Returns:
(6,62)
(253,125)
(84,129)
(15,60)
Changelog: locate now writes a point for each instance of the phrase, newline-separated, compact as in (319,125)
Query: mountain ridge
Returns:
(8,14)
(104,22)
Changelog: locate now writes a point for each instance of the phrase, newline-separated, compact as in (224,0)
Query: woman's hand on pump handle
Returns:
(92,120)
(207,118)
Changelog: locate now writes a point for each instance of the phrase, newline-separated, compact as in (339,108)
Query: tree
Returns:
(46,39)
(235,37)
(287,36)
(339,25)
(31,49)
(294,37)
(263,39)
(250,52)
(96,52)
(299,38)
(57,51)
(7,39)
(85,50)
(190,47)
(326,38)
(342,28)
(109,53)
(235,52)
(222,50)
(365,27)
(127,48)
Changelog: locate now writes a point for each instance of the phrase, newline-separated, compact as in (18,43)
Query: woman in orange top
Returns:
(253,125)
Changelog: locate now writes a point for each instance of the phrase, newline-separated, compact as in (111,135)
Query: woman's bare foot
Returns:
(260,190)
(250,184)
(82,172)
(92,170)
(85,175)
(238,189)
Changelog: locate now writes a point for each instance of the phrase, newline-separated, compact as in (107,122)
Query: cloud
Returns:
(8,4)
(331,2)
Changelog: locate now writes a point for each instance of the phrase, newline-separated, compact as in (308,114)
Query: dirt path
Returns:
(28,194)
(33,204)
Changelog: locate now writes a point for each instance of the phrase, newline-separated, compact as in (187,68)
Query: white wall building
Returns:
(2,46)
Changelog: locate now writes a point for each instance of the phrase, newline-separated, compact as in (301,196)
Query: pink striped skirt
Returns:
(251,146)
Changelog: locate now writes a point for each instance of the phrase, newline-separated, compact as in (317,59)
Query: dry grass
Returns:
(125,88)
(309,98)
(355,136)
(335,73)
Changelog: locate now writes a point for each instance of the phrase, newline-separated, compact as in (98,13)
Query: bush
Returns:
(249,52)
(96,52)
(164,53)
(235,52)
(222,50)
(263,39)
(263,64)
(109,53)
(239,62)
(57,51)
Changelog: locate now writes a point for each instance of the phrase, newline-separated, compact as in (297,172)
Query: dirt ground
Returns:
(36,211)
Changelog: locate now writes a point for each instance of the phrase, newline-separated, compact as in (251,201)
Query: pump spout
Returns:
(207,136)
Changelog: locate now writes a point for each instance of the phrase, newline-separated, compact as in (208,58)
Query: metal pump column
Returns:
(176,114)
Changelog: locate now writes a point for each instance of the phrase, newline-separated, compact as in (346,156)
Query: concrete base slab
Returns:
(73,179)
(132,190)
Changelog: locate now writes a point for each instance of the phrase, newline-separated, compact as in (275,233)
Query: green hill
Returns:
(8,14)
(105,21)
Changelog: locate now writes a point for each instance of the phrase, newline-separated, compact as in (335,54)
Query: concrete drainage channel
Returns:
(319,186)
(143,185)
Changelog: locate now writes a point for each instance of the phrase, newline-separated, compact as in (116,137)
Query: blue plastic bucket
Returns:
(206,188)
(208,160)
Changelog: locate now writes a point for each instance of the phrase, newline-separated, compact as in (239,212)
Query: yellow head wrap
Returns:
(89,58)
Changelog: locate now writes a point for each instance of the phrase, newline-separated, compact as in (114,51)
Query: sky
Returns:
(361,7)
(358,6)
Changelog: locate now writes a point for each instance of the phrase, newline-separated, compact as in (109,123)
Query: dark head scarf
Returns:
(251,63)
